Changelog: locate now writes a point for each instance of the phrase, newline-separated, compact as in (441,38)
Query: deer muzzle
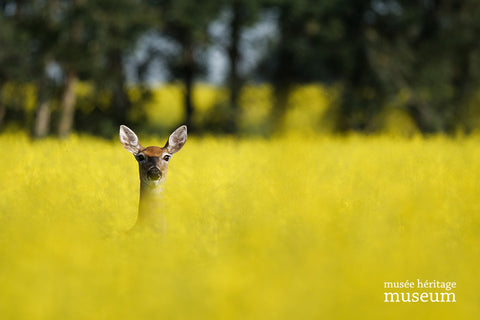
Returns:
(154,174)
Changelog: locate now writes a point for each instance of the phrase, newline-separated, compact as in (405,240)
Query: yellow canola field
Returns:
(288,228)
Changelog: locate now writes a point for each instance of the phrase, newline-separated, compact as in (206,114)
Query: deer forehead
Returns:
(154,151)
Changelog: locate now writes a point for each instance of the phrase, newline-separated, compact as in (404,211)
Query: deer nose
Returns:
(154,173)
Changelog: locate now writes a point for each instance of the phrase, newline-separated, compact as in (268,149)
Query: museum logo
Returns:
(419,291)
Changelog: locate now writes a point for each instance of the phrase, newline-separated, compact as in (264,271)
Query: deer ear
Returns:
(129,140)
(177,139)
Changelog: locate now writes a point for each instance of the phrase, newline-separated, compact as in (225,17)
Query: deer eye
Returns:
(167,157)
(140,157)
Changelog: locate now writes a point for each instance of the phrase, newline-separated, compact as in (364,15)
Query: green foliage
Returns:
(371,51)
(374,49)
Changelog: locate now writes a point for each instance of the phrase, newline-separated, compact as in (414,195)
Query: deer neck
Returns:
(151,206)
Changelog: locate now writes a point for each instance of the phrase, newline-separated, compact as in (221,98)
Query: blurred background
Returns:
(251,67)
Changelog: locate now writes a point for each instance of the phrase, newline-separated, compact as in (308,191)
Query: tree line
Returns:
(422,57)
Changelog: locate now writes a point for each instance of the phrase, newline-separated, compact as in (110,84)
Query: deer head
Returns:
(153,161)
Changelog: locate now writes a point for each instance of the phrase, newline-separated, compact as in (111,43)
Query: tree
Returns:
(38,19)
(13,61)
(376,49)
(242,14)
(185,23)
(71,51)
(94,39)
(83,39)
(434,48)
(326,41)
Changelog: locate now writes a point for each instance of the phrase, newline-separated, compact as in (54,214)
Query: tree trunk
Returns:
(234,56)
(121,103)
(282,77)
(188,79)
(120,99)
(41,125)
(461,84)
(42,119)
(282,92)
(67,106)
(3,110)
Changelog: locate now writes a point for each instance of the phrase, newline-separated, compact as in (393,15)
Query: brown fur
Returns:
(154,158)
(153,151)
(153,172)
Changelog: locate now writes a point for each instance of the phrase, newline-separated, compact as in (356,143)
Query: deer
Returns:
(153,164)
